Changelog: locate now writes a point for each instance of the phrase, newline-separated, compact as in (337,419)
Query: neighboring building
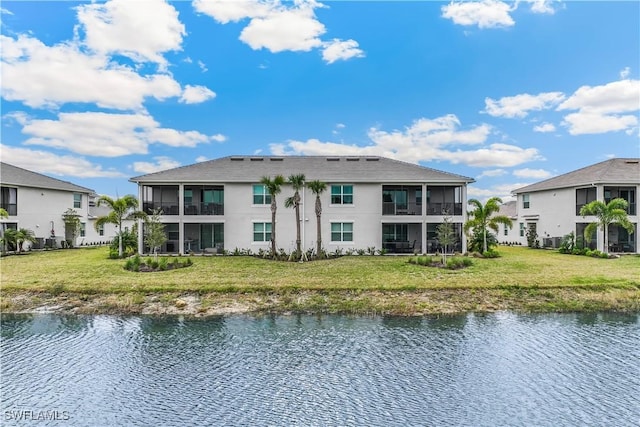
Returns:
(552,207)
(506,234)
(369,202)
(37,202)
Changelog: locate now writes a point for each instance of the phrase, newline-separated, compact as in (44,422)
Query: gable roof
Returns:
(13,175)
(324,168)
(613,171)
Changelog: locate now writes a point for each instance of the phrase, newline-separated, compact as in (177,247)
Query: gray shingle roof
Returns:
(614,171)
(13,175)
(324,168)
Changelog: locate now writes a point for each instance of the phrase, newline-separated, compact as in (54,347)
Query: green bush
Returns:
(456,263)
(162,264)
(490,254)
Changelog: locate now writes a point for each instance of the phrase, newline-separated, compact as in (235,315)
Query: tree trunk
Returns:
(296,201)
(318,226)
(484,243)
(273,226)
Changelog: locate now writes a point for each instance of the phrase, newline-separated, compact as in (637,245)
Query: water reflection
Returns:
(496,369)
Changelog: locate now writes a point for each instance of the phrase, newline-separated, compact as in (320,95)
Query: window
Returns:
(506,230)
(522,229)
(101,230)
(261,231)
(261,195)
(77,200)
(584,196)
(342,232)
(342,194)
(83,229)
(9,200)
(525,201)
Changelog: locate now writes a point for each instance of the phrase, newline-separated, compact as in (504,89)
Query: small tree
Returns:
(124,208)
(318,187)
(613,212)
(482,217)
(446,236)
(297,182)
(154,234)
(274,186)
(3,215)
(71,220)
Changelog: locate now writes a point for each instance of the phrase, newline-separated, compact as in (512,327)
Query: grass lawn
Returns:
(85,280)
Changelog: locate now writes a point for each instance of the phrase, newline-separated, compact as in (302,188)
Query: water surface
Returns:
(501,369)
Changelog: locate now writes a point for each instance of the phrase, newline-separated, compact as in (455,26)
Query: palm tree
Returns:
(482,217)
(124,208)
(16,238)
(613,212)
(274,186)
(318,187)
(3,215)
(297,182)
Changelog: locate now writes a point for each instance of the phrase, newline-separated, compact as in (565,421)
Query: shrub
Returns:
(456,263)
(162,264)
(490,254)
(360,252)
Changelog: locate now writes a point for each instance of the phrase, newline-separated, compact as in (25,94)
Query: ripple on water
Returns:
(501,369)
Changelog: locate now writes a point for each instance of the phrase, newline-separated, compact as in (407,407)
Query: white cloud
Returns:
(233,11)
(340,125)
(592,123)
(47,76)
(289,29)
(161,163)
(532,173)
(341,50)
(601,108)
(218,137)
(542,6)
(5,11)
(425,140)
(520,105)
(502,190)
(615,97)
(280,26)
(140,30)
(484,14)
(626,71)
(51,164)
(544,128)
(492,173)
(106,135)
(203,66)
(196,94)
(201,159)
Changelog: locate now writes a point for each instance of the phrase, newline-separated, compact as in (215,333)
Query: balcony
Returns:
(167,208)
(401,200)
(449,208)
(204,209)
(391,208)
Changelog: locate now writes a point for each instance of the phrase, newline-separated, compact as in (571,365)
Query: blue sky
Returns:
(508,93)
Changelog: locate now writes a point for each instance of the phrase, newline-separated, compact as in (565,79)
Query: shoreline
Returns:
(392,303)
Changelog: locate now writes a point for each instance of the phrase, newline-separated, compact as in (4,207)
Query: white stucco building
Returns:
(37,202)
(369,202)
(552,207)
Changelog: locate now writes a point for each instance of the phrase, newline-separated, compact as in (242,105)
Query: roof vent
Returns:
(372,159)
(276,159)
(237,159)
(632,162)
(333,159)
(256,159)
(352,159)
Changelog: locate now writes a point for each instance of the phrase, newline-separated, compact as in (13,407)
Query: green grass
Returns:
(521,279)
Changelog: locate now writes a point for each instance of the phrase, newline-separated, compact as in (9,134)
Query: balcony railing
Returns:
(444,208)
(204,209)
(168,208)
(391,208)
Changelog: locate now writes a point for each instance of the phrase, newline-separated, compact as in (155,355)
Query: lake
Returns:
(500,369)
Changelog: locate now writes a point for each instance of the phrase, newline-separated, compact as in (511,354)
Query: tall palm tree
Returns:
(274,186)
(318,187)
(124,208)
(482,217)
(297,182)
(3,215)
(613,212)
